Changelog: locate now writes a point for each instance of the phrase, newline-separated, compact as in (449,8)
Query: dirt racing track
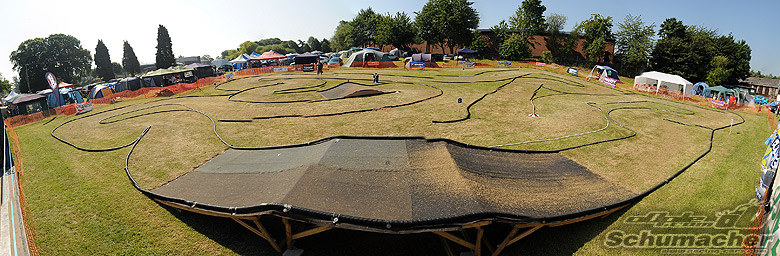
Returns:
(396,184)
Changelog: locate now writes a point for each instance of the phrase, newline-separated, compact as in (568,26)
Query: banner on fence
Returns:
(229,76)
(277,70)
(505,63)
(372,63)
(541,64)
(83,107)
(718,103)
(573,71)
(608,81)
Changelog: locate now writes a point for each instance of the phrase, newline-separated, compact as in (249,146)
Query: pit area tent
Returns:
(100,91)
(128,83)
(67,96)
(30,103)
(269,55)
(426,58)
(201,70)
(220,62)
(671,82)
(240,61)
(723,93)
(306,58)
(365,57)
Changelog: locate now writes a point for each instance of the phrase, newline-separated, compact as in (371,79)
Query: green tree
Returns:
(206,58)
(269,41)
(672,28)
(58,53)
(103,62)
(501,34)
(719,71)
(597,32)
(5,85)
(738,55)
(528,19)
(448,23)
(129,60)
(555,40)
(279,48)
(342,38)
(290,44)
(326,45)
(304,47)
(479,43)
(314,44)
(515,48)
(164,56)
(364,27)
(247,47)
(634,44)
(116,68)
(700,54)
(397,30)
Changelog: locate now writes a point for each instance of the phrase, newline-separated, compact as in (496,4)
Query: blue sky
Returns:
(208,27)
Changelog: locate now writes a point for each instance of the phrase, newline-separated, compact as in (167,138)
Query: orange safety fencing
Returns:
(753,234)
(32,245)
(148,92)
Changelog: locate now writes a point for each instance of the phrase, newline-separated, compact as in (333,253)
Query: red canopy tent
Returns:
(269,55)
(65,85)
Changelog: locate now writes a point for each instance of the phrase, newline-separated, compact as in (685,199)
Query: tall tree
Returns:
(555,41)
(314,44)
(58,53)
(164,57)
(269,41)
(292,45)
(365,27)
(634,43)
(116,68)
(515,48)
(501,32)
(479,43)
(342,37)
(449,23)
(700,54)
(103,62)
(529,18)
(597,32)
(397,30)
(326,45)
(129,60)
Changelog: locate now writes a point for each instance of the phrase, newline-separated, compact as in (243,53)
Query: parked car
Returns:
(225,68)
(335,60)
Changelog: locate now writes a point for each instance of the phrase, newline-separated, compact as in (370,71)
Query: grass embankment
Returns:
(82,203)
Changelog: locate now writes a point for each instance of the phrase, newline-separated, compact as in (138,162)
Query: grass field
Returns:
(82,203)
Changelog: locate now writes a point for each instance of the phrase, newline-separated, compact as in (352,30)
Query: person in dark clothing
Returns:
(319,67)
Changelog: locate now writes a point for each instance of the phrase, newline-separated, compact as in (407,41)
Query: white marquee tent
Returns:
(671,82)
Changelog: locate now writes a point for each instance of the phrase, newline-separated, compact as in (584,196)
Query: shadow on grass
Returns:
(225,232)
(564,240)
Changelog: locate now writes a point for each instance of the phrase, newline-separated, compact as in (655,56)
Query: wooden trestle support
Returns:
(476,245)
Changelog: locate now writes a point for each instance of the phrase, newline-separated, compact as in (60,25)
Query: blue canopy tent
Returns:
(700,88)
(466,51)
(240,61)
